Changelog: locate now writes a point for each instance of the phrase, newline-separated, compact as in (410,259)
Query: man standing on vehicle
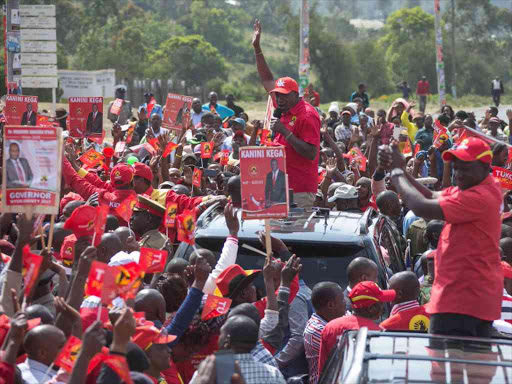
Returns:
(297,129)
(467,291)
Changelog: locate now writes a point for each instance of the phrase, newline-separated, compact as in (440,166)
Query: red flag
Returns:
(321,176)
(440,136)
(169,148)
(116,107)
(129,133)
(417,148)
(407,150)
(196,178)
(152,260)
(128,279)
(170,214)
(187,226)
(125,209)
(206,150)
(154,143)
(356,154)
(504,176)
(119,365)
(463,134)
(225,157)
(102,282)
(214,307)
(265,133)
(30,271)
(100,222)
(91,158)
(69,353)
(151,104)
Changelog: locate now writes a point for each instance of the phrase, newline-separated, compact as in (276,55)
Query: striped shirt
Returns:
(506,307)
(404,307)
(312,340)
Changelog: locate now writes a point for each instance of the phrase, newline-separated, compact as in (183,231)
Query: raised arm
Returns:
(266,77)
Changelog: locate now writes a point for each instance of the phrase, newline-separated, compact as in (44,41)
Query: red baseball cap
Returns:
(506,268)
(147,335)
(235,278)
(81,221)
(121,175)
(143,171)
(367,293)
(285,85)
(470,149)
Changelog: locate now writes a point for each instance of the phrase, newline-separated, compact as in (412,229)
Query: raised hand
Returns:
(257,34)
(231,220)
(290,270)
(201,272)
(330,166)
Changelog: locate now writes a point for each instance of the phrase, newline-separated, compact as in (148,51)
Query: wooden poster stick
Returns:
(41,232)
(50,235)
(268,239)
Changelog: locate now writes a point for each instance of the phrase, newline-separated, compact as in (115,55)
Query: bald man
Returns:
(59,234)
(35,311)
(389,205)
(110,245)
(204,253)
(407,314)
(360,269)
(123,233)
(42,345)
(152,303)
(177,265)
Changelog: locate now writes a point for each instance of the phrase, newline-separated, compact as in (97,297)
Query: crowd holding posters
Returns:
(264,182)
(86,117)
(31,172)
(177,111)
(21,110)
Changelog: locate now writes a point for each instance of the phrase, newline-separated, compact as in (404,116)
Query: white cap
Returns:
(334,107)
(121,87)
(352,106)
(345,192)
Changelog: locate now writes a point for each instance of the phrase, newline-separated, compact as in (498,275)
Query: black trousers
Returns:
(455,324)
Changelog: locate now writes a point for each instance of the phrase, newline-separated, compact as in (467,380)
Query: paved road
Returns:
(480,112)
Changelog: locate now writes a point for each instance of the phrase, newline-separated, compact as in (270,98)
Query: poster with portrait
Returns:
(264,182)
(177,112)
(86,117)
(32,168)
(21,110)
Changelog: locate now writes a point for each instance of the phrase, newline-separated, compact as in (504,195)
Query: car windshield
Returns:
(320,262)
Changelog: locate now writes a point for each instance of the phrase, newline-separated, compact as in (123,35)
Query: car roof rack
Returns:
(366,220)
(356,369)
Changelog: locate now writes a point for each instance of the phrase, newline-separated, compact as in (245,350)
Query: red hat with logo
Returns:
(506,268)
(367,293)
(81,221)
(121,175)
(147,335)
(234,278)
(285,85)
(143,171)
(470,149)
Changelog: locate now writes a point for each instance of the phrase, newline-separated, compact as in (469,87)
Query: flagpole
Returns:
(93,238)
(99,313)
(48,371)
(50,235)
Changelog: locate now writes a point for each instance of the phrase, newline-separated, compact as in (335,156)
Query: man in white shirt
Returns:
(497,90)
(197,111)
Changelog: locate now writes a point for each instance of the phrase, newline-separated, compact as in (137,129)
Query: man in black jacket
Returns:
(275,185)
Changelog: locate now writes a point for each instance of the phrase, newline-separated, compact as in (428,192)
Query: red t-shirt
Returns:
(371,203)
(468,278)
(335,328)
(303,121)
(414,319)
(423,88)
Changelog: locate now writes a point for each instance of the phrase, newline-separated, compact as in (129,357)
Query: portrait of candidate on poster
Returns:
(32,168)
(264,182)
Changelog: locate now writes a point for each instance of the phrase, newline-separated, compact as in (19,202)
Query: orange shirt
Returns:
(468,278)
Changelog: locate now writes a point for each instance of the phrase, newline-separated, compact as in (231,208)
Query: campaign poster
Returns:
(504,176)
(177,112)
(86,117)
(264,182)
(21,110)
(32,169)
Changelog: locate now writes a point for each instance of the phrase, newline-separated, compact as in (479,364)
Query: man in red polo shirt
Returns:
(367,305)
(467,291)
(407,314)
(298,129)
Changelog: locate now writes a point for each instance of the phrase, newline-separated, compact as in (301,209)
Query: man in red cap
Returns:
(467,290)
(121,179)
(297,129)
(154,342)
(367,305)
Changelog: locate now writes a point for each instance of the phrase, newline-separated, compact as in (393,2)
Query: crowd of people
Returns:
(430,177)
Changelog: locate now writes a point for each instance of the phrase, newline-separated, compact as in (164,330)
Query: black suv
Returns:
(326,241)
(393,357)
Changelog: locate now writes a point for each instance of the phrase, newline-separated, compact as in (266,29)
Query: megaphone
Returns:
(108,152)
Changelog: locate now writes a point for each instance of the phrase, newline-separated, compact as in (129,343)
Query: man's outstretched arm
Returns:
(266,77)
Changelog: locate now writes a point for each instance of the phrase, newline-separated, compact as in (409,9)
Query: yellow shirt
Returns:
(411,127)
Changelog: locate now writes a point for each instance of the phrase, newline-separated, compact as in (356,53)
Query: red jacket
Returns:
(6,373)
(86,189)
(413,319)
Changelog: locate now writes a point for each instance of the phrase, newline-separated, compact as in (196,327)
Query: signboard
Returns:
(32,168)
(504,176)
(86,116)
(38,22)
(39,70)
(264,182)
(38,34)
(87,83)
(13,42)
(38,58)
(177,111)
(21,110)
(38,46)
(37,10)
(39,82)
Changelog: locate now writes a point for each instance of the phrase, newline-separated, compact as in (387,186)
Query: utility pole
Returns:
(454,56)
(304,47)
(441,88)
